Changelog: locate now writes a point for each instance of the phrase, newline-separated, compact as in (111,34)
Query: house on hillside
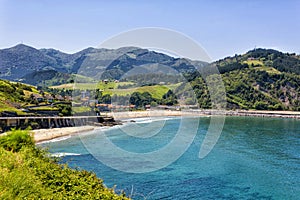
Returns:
(85,101)
(103,107)
(68,98)
(131,107)
(85,94)
(39,98)
(147,107)
(49,98)
(59,97)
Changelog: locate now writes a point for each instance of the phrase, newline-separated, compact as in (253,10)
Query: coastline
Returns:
(251,113)
(195,113)
(41,135)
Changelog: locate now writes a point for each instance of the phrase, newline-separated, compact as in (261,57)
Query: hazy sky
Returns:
(222,28)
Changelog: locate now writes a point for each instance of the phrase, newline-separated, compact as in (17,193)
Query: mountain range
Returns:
(35,66)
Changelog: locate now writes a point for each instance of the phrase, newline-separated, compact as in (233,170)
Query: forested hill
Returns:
(263,79)
(283,62)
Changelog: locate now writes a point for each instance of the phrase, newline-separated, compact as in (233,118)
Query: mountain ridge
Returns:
(91,62)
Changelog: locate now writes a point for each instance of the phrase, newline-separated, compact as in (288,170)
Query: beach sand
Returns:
(143,114)
(41,135)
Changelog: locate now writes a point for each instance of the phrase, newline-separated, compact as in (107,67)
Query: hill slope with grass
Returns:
(262,79)
(12,95)
(27,172)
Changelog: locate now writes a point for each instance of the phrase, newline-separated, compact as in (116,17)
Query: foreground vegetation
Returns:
(27,172)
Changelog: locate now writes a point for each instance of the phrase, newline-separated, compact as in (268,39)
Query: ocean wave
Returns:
(62,154)
(56,139)
(145,120)
(153,119)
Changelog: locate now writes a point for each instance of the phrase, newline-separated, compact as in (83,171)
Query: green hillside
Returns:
(27,172)
(260,79)
(22,99)
(12,95)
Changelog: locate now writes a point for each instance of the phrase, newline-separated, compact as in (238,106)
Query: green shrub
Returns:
(27,172)
(16,139)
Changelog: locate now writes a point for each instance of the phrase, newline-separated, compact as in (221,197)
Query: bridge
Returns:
(36,122)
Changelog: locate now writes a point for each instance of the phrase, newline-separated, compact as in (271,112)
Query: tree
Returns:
(169,98)
(260,105)
(106,99)
(141,99)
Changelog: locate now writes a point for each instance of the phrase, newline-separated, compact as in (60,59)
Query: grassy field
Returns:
(92,86)
(9,108)
(44,108)
(269,70)
(112,88)
(260,66)
(82,86)
(157,91)
(11,94)
(81,109)
(253,62)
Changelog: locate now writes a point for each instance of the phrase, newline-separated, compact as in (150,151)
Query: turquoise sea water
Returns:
(255,158)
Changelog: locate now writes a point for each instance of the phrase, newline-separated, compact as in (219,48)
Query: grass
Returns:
(28,93)
(156,91)
(269,70)
(259,65)
(174,86)
(81,109)
(254,63)
(92,86)
(111,88)
(81,86)
(6,107)
(27,172)
(44,108)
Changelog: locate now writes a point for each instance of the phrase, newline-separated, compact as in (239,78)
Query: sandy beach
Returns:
(41,135)
(148,113)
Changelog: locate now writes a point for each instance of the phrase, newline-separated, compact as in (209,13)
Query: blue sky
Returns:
(222,28)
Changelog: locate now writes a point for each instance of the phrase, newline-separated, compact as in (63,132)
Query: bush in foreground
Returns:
(27,172)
